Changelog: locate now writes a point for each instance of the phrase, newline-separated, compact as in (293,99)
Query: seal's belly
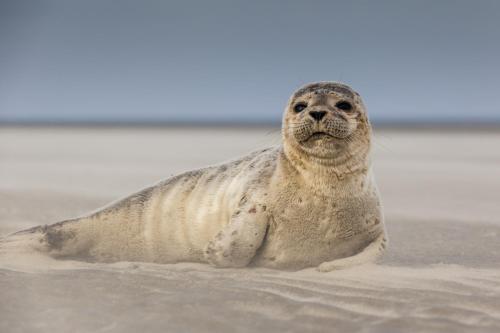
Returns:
(295,240)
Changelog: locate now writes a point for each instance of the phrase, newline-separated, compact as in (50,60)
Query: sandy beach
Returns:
(440,190)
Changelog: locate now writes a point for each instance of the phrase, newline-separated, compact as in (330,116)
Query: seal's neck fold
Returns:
(319,172)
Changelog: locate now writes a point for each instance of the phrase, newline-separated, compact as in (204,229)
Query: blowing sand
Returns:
(442,271)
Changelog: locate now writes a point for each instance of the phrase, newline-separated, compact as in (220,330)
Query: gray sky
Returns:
(98,60)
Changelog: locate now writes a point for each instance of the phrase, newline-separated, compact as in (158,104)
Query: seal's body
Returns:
(311,201)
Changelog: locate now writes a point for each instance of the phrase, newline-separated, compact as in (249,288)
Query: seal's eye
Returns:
(343,105)
(299,107)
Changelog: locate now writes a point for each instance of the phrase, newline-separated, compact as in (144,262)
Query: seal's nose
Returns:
(318,115)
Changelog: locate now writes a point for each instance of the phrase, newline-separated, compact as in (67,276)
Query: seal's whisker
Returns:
(376,141)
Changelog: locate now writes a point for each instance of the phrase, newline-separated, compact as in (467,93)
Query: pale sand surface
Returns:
(441,194)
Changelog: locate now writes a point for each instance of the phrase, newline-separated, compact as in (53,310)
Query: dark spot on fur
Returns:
(233,243)
(300,199)
(252,210)
(264,207)
(225,254)
(234,233)
(377,221)
(56,238)
(251,245)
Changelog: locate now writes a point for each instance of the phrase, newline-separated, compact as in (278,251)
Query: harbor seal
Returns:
(309,202)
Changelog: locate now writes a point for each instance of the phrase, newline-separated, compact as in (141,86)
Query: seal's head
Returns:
(326,121)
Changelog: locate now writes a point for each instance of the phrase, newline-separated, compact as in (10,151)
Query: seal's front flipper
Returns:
(237,243)
(369,254)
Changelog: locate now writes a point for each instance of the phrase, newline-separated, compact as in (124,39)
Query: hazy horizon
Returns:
(238,62)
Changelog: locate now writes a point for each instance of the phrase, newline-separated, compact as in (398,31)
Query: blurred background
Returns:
(215,62)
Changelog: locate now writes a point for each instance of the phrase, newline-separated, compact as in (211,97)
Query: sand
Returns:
(441,273)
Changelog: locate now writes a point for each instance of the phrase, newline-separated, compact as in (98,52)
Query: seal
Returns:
(310,202)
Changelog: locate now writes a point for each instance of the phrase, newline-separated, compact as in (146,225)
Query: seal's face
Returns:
(325,119)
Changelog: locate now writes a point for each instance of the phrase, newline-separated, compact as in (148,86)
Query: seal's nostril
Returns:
(318,115)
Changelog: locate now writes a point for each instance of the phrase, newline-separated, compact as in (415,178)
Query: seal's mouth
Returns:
(319,135)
